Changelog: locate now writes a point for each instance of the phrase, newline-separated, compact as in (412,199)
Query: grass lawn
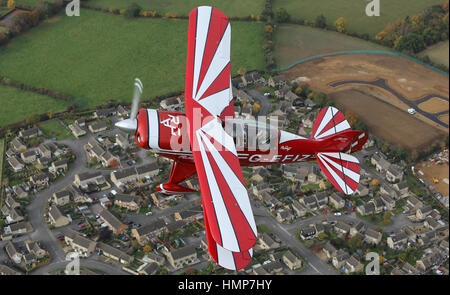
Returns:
(183,7)
(355,12)
(3,11)
(438,53)
(2,156)
(95,57)
(295,42)
(54,128)
(30,103)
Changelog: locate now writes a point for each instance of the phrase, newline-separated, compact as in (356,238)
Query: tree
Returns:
(268,29)
(282,16)
(375,182)
(351,118)
(320,98)
(387,217)
(321,21)
(242,71)
(133,10)
(341,24)
(11,4)
(147,249)
(411,42)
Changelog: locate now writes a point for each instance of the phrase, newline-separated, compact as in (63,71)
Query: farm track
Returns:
(412,103)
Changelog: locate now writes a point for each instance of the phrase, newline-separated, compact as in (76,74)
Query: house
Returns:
(60,165)
(80,122)
(86,178)
(102,114)
(134,174)
(30,133)
(12,215)
(35,248)
(340,259)
(388,201)
(342,227)
(402,188)
(13,253)
(122,141)
(44,151)
(39,180)
(380,162)
(43,162)
(113,222)
(147,232)
(430,259)
(98,127)
(413,203)
(310,202)
(20,191)
(114,253)
(352,264)
(378,204)
(307,232)
(397,240)
(252,77)
(329,250)
(423,212)
(57,219)
(149,269)
(15,164)
(193,184)
(291,260)
(122,112)
(372,237)
(83,246)
(18,228)
(77,131)
(357,228)
(274,267)
(337,201)
(18,145)
(314,174)
(277,81)
(299,208)
(190,214)
(362,190)
(61,198)
(11,202)
(28,157)
(308,120)
(132,203)
(322,199)
(394,174)
(431,223)
(290,96)
(388,190)
(182,256)
(284,216)
(266,242)
(409,269)
(280,93)
(159,200)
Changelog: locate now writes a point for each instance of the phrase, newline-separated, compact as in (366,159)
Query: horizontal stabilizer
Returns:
(328,122)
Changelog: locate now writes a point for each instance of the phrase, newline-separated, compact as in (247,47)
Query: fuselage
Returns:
(257,143)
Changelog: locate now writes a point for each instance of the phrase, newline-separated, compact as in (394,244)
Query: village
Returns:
(92,193)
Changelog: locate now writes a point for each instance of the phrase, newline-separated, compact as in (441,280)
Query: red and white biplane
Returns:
(209,141)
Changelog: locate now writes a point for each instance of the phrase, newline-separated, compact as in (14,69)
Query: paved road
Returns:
(264,101)
(412,103)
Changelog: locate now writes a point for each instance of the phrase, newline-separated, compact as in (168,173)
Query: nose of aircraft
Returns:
(128,125)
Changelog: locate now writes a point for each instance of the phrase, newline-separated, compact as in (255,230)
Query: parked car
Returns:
(337,214)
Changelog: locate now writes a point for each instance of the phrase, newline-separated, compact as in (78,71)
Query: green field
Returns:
(2,156)
(54,128)
(183,7)
(354,11)
(295,42)
(16,104)
(95,57)
(438,53)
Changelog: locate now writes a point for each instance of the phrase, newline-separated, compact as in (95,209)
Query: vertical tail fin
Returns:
(328,122)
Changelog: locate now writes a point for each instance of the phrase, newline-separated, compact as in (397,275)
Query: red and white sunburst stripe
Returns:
(343,170)
(227,205)
(328,122)
(223,257)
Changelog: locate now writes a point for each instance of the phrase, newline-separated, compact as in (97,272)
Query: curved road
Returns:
(414,104)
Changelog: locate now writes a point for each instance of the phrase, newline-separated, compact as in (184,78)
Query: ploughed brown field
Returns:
(386,121)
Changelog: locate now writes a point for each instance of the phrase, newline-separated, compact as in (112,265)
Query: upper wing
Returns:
(207,95)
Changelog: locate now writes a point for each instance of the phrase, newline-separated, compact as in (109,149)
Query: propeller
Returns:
(130,124)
